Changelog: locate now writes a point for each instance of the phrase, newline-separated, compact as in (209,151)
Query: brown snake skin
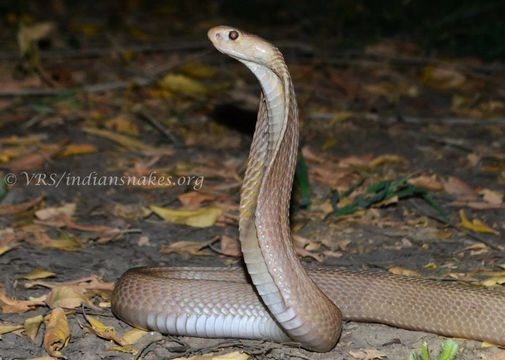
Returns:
(287,301)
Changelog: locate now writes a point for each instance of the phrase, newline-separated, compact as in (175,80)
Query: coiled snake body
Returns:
(286,301)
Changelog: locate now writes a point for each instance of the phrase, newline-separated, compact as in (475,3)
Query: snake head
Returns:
(241,45)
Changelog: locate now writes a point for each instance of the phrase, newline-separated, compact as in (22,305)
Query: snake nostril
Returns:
(218,36)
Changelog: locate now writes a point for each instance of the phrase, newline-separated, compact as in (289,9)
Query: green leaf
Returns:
(449,350)
(414,356)
(425,352)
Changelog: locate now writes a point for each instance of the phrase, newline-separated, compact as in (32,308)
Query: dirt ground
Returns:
(364,120)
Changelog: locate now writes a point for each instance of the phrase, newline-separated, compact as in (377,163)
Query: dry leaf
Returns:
(57,333)
(442,77)
(32,326)
(230,356)
(134,335)
(186,247)
(123,140)
(458,187)
(198,70)
(492,281)
(9,239)
(24,140)
(368,354)
(104,331)
(130,211)
(492,197)
(78,149)
(33,161)
(194,198)
(68,297)
(332,254)
(17,208)
(475,225)
(67,209)
(202,217)
(38,274)
(123,124)
(304,253)
(41,238)
(9,305)
(426,182)
(230,246)
(398,270)
(182,85)
(7,328)
(28,35)
(387,159)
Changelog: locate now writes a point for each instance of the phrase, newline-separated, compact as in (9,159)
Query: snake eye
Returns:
(233,35)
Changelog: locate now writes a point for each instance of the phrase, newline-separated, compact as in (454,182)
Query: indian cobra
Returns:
(287,301)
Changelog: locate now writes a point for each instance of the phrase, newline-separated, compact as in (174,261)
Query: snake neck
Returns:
(297,304)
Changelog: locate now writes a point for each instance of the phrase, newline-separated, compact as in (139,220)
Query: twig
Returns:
(452,226)
(142,113)
(455,143)
(98,88)
(447,120)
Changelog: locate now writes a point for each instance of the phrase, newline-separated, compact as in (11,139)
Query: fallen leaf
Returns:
(127,349)
(130,211)
(30,34)
(230,356)
(24,140)
(88,283)
(492,197)
(41,238)
(38,274)
(32,326)
(305,253)
(368,354)
(387,159)
(230,246)
(78,149)
(134,335)
(9,239)
(21,207)
(455,186)
(68,297)
(143,240)
(194,198)
(104,331)
(7,328)
(123,140)
(123,123)
(9,305)
(426,182)
(442,77)
(202,217)
(34,160)
(182,85)
(198,70)
(57,333)
(185,247)
(475,225)
(492,281)
(398,270)
(54,212)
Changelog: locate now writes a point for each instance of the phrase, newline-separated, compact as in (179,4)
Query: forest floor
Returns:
(432,130)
